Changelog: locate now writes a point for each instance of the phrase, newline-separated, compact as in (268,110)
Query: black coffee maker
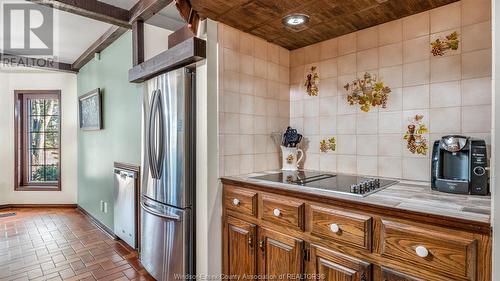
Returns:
(459,165)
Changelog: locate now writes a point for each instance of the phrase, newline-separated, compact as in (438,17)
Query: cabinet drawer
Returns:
(339,226)
(443,251)
(240,200)
(283,211)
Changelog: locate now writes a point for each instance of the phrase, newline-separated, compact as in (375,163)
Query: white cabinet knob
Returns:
(276,212)
(236,202)
(334,228)
(421,251)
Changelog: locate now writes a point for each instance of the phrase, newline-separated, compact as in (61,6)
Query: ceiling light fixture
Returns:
(294,20)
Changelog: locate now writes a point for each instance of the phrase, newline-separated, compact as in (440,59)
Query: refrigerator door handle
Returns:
(169,216)
(161,120)
(152,136)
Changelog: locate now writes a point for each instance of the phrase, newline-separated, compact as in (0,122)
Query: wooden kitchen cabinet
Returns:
(280,255)
(283,235)
(328,265)
(240,248)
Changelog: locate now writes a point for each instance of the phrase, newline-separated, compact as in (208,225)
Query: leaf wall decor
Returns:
(312,81)
(326,145)
(450,43)
(416,142)
(367,92)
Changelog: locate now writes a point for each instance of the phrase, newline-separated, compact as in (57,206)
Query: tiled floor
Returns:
(62,244)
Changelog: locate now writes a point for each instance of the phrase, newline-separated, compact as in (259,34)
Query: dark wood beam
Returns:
(181,35)
(92,9)
(183,54)
(40,63)
(100,44)
(145,9)
(137,42)
(188,14)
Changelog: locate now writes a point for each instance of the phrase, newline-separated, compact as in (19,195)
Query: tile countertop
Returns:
(414,197)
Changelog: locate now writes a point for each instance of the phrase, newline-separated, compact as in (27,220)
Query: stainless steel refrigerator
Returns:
(168,175)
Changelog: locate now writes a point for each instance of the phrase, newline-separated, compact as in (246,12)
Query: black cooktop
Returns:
(347,184)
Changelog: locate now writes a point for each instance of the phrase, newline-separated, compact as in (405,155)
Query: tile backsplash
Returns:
(253,101)
(261,90)
(452,92)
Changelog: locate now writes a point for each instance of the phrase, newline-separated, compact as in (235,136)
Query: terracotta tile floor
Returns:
(62,244)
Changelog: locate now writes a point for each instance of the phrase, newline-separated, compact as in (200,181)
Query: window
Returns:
(37,138)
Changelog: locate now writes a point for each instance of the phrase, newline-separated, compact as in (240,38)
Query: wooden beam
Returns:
(181,35)
(137,42)
(188,14)
(92,9)
(40,63)
(145,9)
(100,44)
(183,54)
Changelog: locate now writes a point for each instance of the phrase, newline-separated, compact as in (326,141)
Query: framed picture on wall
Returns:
(90,111)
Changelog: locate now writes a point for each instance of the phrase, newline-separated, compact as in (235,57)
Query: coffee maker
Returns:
(459,165)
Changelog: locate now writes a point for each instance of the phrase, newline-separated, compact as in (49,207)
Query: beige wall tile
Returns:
(273,53)
(416,169)
(246,44)
(476,64)
(231,60)
(328,87)
(476,119)
(476,91)
(389,122)
(231,102)
(367,59)
(260,68)
(311,125)
(409,115)
(312,54)
(260,87)
(260,48)
(246,84)
(416,49)
(273,71)
(297,74)
(327,125)
(328,106)
(366,123)
(388,145)
(367,165)
(416,73)
(367,145)
(445,94)
(328,68)
(395,101)
(445,68)
(231,123)
(346,164)
(390,55)
(231,144)
(392,76)
(247,164)
(476,36)
(474,11)
(446,17)
(329,49)
(246,64)
(346,144)
(297,57)
(328,162)
(445,119)
(367,38)
(416,25)
(232,165)
(346,124)
(343,107)
(247,103)
(311,107)
(390,167)
(231,81)
(416,97)
(230,38)
(284,57)
(312,161)
(346,64)
(246,144)
(347,44)
(390,32)
(273,89)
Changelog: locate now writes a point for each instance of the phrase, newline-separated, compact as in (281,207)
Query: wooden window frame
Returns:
(20,125)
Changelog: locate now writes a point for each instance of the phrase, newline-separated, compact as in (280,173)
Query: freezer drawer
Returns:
(124,205)
(166,235)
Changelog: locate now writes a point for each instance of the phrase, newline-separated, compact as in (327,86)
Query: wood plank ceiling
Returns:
(328,18)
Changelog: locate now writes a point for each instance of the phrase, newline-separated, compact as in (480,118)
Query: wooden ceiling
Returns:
(328,18)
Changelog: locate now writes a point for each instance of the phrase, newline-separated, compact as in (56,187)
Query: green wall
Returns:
(120,140)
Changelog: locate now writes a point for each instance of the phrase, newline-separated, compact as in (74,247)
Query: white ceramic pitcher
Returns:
(290,158)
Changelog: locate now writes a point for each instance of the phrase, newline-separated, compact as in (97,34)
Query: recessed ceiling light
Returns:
(295,20)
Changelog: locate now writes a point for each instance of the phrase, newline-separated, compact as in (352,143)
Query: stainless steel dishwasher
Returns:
(125,205)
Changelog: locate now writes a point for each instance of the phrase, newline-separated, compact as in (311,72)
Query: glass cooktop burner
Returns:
(347,184)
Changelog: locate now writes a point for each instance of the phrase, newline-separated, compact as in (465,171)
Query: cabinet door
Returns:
(280,255)
(239,248)
(391,275)
(328,265)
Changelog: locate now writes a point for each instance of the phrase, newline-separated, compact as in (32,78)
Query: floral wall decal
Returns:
(312,81)
(441,46)
(416,141)
(330,144)
(367,92)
